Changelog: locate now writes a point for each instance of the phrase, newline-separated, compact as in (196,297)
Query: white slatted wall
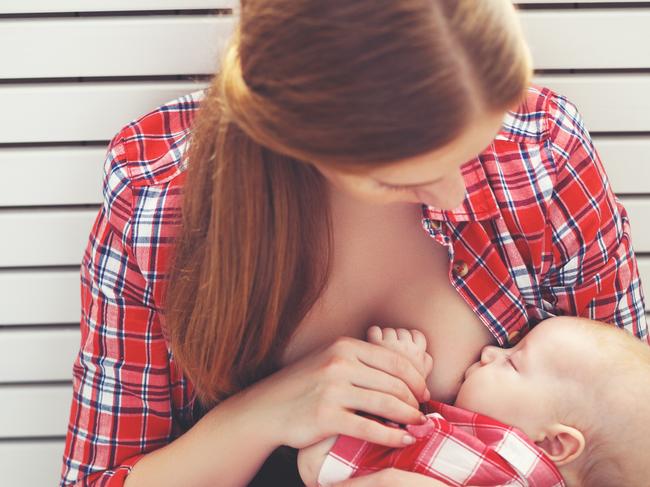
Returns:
(73,73)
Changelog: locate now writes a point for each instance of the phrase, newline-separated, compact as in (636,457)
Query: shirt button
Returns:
(514,337)
(460,268)
(435,224)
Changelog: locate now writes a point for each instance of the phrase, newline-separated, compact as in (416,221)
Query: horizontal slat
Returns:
(644,272)
(38,6)
(28,357)
(41,6)
(104,46)
(608,102)
(38,297)
(51,176)
(67,234)
(36,355)
(59,301)
(73,175)
(19,405)
(60,112)
(22,413)
(192,44)
(44,237)
(627,162)
(64,112)
(31,463)
(599,38)
(639,212)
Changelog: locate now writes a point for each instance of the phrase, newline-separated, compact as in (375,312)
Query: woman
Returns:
(333,183)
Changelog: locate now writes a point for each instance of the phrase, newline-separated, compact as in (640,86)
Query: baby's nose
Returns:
(488,354)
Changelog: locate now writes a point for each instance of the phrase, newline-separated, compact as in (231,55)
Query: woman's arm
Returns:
(594,272)
(122,417)
(226,448)
(121,405)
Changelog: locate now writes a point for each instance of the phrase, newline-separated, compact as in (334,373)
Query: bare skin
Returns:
(409,343)
(388,270)
(398,278)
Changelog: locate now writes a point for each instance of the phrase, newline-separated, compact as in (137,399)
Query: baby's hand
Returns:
(409,342)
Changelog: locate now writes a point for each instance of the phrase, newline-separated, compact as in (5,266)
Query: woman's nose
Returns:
(447,193)
(489,354)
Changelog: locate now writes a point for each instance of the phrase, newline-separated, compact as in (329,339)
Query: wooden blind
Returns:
(79,70)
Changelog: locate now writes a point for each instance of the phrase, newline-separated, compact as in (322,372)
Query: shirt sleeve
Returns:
(121,401)
(594,272)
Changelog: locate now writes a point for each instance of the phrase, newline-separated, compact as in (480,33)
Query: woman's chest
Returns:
(394,274)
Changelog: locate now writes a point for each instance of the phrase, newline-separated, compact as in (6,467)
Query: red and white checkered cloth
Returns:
(456,446)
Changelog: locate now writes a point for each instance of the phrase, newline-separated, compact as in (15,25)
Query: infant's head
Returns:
(580,390)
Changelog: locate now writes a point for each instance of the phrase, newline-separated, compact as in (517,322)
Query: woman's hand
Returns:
(317,396)
(391,477)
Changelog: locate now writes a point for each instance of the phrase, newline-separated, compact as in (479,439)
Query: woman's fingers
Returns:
(373,431)
(383,405)
(378,380)
(392,363)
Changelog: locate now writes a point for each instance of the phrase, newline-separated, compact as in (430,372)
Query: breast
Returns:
(388,271)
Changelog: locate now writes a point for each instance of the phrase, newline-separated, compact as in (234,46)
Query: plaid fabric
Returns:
(455,446)
(539,234)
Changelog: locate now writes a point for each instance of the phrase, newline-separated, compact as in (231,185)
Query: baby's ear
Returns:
(562,443)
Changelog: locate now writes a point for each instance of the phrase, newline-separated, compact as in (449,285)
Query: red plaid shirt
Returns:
(455,446)
(539,234)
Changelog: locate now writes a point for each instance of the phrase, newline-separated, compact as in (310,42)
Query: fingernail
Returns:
(408,440)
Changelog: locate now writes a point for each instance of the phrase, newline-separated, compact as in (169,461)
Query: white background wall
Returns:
(73,72)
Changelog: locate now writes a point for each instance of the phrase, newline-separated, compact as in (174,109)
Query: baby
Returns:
(576,392)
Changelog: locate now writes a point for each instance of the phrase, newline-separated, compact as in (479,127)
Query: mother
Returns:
(352,163)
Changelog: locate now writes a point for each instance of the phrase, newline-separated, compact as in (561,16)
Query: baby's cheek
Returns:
(469,395)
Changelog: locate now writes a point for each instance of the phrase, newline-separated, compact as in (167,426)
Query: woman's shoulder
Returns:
(537,145)
(144,173)
(534,120)
(155,142)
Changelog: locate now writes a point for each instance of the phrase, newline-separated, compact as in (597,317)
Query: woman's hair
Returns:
(305,84)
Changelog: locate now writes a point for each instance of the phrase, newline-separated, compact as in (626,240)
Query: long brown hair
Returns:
(302,84)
